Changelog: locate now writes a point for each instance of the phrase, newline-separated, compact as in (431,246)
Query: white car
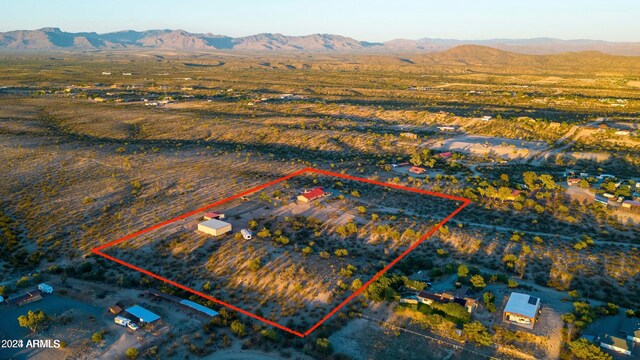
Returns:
(132,326)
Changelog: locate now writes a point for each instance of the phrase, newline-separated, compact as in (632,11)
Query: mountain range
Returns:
(56,39)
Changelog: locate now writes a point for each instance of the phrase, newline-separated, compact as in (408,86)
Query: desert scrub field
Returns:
(304,259)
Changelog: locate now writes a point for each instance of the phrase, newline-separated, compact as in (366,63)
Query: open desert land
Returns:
(98,145)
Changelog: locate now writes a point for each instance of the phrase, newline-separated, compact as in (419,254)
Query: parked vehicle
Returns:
(44,288)
(132,326)
(246,234)
(122,321)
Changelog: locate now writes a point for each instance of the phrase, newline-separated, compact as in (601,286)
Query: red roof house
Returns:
(417,170)
(446,155)
(311,195)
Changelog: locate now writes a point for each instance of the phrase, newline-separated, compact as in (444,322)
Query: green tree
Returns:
(264,233)
(97,337)
(132,353)
(238,328)
(463,271)
(341,252)
(510,260)
(478,281)
(356,284)
(270,334)
(489,300)
(529,178)
(255,264)
(477,333)
(33,320)
(323,346)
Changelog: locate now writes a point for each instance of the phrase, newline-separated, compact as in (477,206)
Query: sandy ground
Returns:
(634,83)
(236,353)
(592,156)
(500,147)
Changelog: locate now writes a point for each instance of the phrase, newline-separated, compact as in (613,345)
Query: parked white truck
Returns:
(46,289)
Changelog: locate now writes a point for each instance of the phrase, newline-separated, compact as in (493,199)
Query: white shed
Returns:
(214,227)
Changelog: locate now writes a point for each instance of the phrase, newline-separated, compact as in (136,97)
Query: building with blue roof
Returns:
(198,307)
(143,315)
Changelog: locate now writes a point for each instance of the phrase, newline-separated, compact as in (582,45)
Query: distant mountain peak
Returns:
(51,29)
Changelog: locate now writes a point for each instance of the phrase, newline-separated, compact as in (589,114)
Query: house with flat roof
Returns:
(631,329)
(617,344)
(521,310)
(428,298)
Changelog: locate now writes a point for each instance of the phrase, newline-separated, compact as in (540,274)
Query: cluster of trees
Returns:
(585,350)
(385,288)
(476,280)
(347,229)
(34,320)
(583,314)
(422,158)
(477,333)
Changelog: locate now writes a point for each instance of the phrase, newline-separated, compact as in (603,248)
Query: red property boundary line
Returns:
(98,250)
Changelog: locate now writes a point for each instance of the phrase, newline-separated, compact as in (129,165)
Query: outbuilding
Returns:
(214,227)
(521,310)
(195,306)
(213,215)
(633,206)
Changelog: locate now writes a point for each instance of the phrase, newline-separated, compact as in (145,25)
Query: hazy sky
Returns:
(373,20)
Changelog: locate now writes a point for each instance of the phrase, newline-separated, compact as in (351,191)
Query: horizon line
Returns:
(325,33)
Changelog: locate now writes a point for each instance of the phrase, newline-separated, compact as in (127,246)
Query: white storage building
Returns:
(214,227)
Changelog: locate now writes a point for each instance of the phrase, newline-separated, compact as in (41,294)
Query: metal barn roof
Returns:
(214,224)
(142,313)
(196,306)
(522,304)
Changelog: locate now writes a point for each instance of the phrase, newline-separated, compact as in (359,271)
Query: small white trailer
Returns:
(246,234)
(122,321)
